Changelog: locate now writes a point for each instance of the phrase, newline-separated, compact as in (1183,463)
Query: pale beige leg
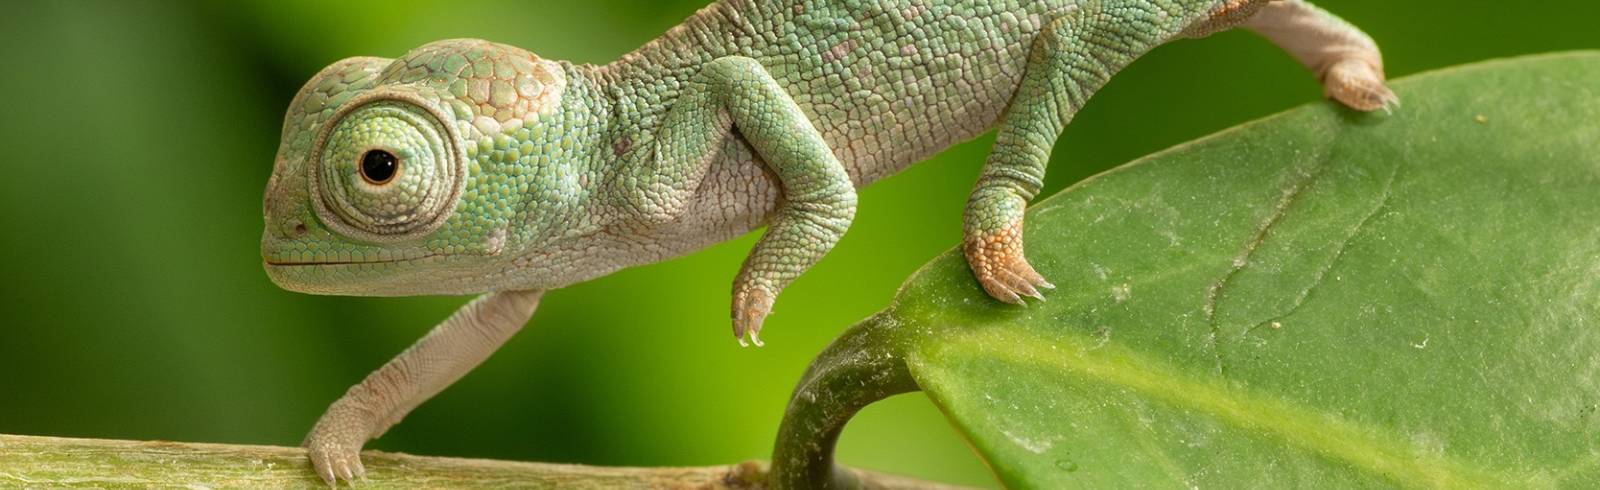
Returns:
(1342,57)
(443,356)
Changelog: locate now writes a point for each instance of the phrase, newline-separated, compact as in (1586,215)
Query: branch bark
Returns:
(56,462)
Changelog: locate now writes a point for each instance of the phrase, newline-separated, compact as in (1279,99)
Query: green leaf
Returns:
(1319,299)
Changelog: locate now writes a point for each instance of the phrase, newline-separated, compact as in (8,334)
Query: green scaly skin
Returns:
(519,174)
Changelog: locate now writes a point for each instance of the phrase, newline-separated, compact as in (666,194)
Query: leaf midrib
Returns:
(1358,445)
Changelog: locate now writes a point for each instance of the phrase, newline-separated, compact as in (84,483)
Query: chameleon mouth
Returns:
(409,276)
(344,262)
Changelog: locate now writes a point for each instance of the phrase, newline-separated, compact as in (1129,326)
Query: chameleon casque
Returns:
(467,166)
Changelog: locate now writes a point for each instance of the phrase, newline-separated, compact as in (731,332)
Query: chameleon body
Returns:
(467,166)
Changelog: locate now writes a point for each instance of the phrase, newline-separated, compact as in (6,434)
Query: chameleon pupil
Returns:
(378,166)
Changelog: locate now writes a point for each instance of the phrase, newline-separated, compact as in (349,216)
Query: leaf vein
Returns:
(1338,254)
(1289,195)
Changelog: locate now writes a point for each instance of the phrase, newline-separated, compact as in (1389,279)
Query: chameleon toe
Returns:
(1358,84)
(998,263)
(751,305)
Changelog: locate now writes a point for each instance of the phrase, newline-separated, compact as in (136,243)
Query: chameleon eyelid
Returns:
(455,168)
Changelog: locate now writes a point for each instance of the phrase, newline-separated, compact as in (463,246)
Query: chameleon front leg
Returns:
(445,354)
(818,198)
(1345,59)
(1074,56)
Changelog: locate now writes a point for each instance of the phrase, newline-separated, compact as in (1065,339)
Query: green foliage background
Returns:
(137,137)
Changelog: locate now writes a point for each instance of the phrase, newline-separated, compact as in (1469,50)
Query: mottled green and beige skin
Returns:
(520,174)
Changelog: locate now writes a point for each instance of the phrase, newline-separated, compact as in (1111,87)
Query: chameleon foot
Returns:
(998,262)
(1358,84)
(751,304)
(334,445)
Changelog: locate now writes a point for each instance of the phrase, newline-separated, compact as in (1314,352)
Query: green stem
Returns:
(857,369)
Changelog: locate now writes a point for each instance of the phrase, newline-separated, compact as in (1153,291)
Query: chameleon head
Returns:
(420,175)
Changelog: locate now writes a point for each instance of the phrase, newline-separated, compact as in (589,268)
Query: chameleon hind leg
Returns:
(1346,60)
(1077,53)
(1073,56)
(443,356)
(818,198)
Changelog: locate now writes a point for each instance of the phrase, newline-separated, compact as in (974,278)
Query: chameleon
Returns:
(467,166)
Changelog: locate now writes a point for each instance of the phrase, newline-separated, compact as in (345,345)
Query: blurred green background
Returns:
(137,138)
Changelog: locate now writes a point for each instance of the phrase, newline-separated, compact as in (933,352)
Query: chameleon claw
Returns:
(358,473)
(1023,287)
(1391,103)
(750,309)
(1008,297)
(1358,84)
(997,262)
(1034,293)
(325,470)
(347,475)
(755,338)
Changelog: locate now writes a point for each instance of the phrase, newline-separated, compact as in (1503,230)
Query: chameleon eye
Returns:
(378,167)
(388,171)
